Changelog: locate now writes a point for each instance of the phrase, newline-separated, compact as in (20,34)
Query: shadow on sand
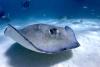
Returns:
(22,57)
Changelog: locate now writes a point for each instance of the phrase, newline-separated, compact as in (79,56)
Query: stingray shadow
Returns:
(22,57)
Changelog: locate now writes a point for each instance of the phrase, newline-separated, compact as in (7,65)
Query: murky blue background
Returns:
(52,8)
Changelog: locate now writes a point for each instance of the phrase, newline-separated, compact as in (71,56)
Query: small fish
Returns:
(44,38)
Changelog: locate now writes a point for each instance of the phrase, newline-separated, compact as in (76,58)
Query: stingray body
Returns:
(44,38)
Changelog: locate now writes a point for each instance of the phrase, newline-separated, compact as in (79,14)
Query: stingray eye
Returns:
(53,31)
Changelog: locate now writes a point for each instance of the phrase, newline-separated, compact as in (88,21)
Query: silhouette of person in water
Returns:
(26,4)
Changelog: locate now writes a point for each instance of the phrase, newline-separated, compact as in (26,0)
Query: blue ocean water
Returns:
(83,16)
(52,9)
(45,9)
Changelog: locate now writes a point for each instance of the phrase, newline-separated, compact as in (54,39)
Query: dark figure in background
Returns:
(4,16)
(26,4)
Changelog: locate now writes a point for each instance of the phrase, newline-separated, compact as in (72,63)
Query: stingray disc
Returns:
(44,38)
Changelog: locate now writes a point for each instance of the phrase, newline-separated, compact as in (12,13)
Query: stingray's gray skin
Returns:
(44,38)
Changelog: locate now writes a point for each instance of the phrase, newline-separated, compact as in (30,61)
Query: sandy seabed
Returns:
(87,32)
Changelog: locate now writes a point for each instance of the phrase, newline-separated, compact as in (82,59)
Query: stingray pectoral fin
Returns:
(18,37)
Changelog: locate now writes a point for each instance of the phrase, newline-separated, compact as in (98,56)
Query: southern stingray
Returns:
(43,38)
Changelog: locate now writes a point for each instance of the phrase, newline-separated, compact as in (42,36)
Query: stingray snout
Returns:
(74,45)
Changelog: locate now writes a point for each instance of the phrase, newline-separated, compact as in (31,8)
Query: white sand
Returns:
(87,55)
